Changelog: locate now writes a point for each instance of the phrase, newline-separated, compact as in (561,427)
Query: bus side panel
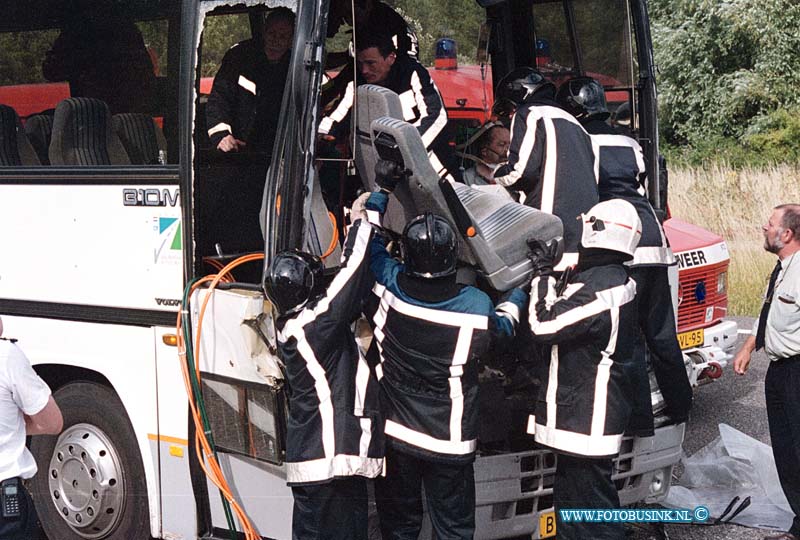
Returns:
(124,355)
(178,510)
(262,490)
(104,245)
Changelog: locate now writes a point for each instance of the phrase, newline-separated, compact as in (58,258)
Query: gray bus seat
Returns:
(15,149)
(498,245)
(375,102)
(82,135)
(141,137)
(39,129)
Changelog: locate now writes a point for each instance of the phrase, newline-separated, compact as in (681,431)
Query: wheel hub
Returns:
(86,481)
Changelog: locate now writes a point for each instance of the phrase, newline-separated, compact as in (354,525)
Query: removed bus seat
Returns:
(39,129)
(15,150)
(498,246)
(375,102)
(82,135)
(140,136)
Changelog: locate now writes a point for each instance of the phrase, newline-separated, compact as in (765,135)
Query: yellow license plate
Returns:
(693,338)
(547,525)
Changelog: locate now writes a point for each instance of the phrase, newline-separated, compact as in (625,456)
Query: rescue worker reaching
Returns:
(551,158)
(334,431)
(588,325)
(430,333)
(379,64)
(623,175)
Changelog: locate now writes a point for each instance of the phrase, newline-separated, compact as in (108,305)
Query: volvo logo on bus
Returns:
(150,197)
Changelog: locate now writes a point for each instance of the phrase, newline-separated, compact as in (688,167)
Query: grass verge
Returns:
(734,204)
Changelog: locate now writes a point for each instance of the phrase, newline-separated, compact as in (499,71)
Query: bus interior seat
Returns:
(502,228)
(39,129)
(82,135)
(15,149)
(375,102)
(141,137)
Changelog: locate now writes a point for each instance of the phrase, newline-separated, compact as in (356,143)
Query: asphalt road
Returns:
(734,400)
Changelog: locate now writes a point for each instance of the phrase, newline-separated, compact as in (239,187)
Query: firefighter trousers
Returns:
(449,496)
(583,482)
(336,510)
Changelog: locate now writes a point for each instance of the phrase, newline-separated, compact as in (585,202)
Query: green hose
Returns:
(198,395)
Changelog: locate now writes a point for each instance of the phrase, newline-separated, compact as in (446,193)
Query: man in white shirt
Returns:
(26,408)
(777,331)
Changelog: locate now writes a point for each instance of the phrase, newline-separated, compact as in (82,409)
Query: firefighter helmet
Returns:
(613,225)
(293,279)
(584,98)
(429,246)
(518,88)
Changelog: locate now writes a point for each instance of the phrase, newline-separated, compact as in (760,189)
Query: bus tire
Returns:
(91,484)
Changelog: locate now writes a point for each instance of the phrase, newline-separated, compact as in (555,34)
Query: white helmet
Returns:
(612,225)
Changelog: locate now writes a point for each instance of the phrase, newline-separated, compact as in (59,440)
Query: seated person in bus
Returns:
(379,64)
(103,55)
(488,152)
(334,433)
(245,100)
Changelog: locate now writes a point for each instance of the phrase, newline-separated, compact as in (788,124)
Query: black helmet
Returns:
(292,280)
(584,98)
(430,247)
(518,88)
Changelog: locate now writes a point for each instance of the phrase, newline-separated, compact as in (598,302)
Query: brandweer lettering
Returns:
(691,258)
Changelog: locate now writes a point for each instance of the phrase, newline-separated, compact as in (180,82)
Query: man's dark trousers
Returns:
(449,493)
(335,510)
(26,526)
(583,482)
(782,390)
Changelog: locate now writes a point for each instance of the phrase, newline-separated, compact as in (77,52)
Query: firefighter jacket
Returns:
(622,176)
(589,330)
(385,20)
(334,426)
(246,97)
(553,160)
(425,355)
(422,106)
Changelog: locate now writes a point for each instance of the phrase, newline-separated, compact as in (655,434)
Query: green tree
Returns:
(724,64)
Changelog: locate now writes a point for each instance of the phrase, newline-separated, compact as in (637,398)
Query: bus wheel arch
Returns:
(91,483)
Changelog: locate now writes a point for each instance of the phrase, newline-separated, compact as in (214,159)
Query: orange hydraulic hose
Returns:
(334,237)
(206,458)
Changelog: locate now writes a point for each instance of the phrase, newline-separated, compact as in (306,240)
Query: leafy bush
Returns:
(723,64)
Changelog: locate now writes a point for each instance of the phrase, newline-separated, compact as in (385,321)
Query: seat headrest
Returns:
(39,129)
(82,135)
(9,153)
(15,150)
(140,136)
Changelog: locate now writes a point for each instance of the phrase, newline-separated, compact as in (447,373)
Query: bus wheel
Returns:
(90,484)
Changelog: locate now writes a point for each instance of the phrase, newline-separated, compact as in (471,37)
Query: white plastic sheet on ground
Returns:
(733,464)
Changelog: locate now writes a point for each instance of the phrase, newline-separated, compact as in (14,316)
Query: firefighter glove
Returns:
(388,174)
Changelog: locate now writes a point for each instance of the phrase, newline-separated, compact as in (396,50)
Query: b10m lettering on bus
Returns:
(691,258)
(150,197)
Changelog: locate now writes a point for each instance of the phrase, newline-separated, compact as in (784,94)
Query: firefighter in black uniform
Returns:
(429,335)
(242,119)
(245,100)
(379,63)
(622,175)
(551,158)
(588,325)
(334,432)
(371,16)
